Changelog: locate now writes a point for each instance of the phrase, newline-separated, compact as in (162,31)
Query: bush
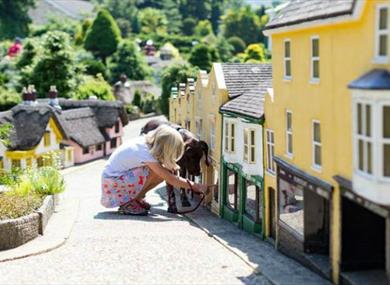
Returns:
(203,28)
(188,27)
(255,53)
(137,98)
(203,56)
(132,109)
(13,206)
(8,99)
(237,43)
(94,86)
(28,54)
(94,67)
(149,104)
(104,35)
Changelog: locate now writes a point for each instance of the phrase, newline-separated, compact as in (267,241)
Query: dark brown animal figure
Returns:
(190,161)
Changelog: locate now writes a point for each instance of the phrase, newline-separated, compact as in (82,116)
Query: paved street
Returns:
(106,248)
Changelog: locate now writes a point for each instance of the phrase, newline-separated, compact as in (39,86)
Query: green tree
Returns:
(203,28)
(172,76)
(238,44)
(195,8)
(28,54)
(137,99)
(94,86)
(56,66)
(216,13)
(14,19)
(188,26)
(82,31)
(255,53)
(128,60)
(224,48)
(104,35)
(124,10)
(243,23)
(203,56)
(153,21)
(171,10)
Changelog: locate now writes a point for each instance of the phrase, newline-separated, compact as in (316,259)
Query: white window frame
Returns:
(230,140)
(380,59)
(212,134)
(382,141)
(289,134)
(249,146)
(285,60)
(315,144)
(364,138)
(313,59)
(270,144)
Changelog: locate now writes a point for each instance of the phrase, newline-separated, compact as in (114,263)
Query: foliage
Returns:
(5,130)
(203,56)
(55,67)
(153,21)
(62,24)
(203,28)
(94,86)
(137,98)
(172,76)
(188,27)
(149,103)
(103,37)
(237,43)
(195,8)
(128,60)
(28,54)
(9,73)
(8,99)
(224,48)
(94,67)
(216,13)
(171,10)
(13,206)
(82,31)
(14,19)
(243,23)
(124,10)
(125,27)
(255,53)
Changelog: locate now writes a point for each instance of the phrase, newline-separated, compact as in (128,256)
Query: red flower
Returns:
(115,184)
(140,180)
(119,195)
(105,185)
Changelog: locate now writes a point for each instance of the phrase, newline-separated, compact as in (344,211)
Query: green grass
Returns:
(13,206)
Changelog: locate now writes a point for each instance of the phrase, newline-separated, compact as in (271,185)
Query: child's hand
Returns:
(203,188)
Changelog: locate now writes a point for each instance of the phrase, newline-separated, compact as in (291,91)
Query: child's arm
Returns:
(172,179)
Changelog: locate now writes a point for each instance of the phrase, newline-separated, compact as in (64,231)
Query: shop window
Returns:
(386,140)
(46,139)
(253,201)
(270,136)
(85,150)
(291,205)
(287,59)
(289,133)
(117,127)
(315,58)
(382,34)
(15,163)
(113,143)
(232,190)
(317,145)
(364,138)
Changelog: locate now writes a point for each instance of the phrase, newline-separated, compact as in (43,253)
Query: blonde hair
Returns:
(166,145)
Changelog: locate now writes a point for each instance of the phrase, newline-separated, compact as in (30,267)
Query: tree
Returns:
(238,44)
(255,53)
(153,21)
(128,60)
(243,23)
(203,28)
(28,54)
(188,26)
(224,48)
(104,35)
(216,13)
(94,86)
(195,8)
(56,66)
(14,19)
(172,76)
(203,56)
(171,11)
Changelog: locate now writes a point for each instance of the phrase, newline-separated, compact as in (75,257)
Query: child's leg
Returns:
(152,181)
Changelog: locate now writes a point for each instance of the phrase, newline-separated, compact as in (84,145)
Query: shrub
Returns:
(132,109)
(255,52)
(13,206)
(238,44)
(104,35)
(94,67)
(203,56)
(188,27)
(8,99)
(94,86)
(137,98)
(203,28)
(28,54)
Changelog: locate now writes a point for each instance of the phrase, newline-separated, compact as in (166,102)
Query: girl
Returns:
(141,164)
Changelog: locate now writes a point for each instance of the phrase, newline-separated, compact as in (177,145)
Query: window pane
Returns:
(383,18)
(383,45)
(226,136)
(289,123)
(246,152)
(317,132)
(245,136)
(316,68)
(232,190)
(317,155)
(268,156)
(232,142)
(272,136)
(289,143)
(287,52)
(369,158)
(368,120)
(291,205)
(361,155)
(288,67)
(253,201)
(359,118)
(272,158)
(386,160)
(252,137)
(386,121)
(253,154)
(315,48)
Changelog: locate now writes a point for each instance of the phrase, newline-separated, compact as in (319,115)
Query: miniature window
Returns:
(315,58)
(382,33)
(40,161)
(117,127)
(364,138)
(113,143)
(85,150)
(216,187)
(230,129)
(29,162)
(291,206)
(226,136)
(289,132)
(386,141)
(270,151)
(15,163)
(212,135)
(69,155)
(317,145)
(287,59)
(253,201)
(232,190)
(250,145)
(46,139)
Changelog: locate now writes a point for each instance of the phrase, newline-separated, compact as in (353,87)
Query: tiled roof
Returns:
(242,77)
(300,11)
(377,79)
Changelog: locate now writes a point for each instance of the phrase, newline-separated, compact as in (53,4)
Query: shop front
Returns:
(303,216)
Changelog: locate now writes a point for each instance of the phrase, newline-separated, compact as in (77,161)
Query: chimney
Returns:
(53,100)
(29,95)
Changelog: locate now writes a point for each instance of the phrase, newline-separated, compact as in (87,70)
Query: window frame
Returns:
(47,138)
(117,127)
(380,59)
(364,138)
(251,148)
(212,135)
(270,145)
(286,59)
(313,59)
(16,161)
(230,136)
(289,134)
(382,141)
(315,144)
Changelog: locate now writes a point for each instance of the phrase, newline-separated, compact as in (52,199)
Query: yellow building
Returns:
(328,137)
